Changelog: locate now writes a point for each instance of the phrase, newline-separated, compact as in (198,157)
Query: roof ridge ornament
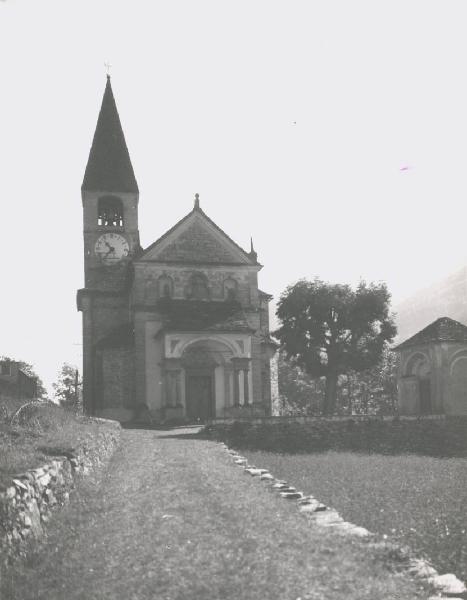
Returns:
(196,207)
(253,254)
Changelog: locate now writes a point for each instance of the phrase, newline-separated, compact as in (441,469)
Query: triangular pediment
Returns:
(197,239)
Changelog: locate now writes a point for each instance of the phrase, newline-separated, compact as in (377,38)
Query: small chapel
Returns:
(433,370)
(179,328)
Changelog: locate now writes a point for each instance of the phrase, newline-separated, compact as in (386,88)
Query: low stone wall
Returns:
(27,501)
(259,420)
(434,435)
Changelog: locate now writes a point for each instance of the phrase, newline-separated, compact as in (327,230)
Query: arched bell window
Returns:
(110,212)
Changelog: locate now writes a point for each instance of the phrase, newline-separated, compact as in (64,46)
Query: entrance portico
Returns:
(205,376)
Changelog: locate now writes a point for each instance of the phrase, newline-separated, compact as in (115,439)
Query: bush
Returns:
(38,428)
(447,437)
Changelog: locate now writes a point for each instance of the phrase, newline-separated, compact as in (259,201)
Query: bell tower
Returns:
(110,203)
(111,240)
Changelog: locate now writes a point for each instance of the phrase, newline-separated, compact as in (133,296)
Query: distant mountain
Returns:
(447,298)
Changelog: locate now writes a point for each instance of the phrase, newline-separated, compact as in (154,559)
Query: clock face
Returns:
(111,248)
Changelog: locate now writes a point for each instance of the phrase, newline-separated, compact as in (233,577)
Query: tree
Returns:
(299,394)
(373,391)
(29,370)
(329,330)
(68,387)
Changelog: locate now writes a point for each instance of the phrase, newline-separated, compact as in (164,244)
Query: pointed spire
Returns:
(253,254)
(196,206)
(109,166)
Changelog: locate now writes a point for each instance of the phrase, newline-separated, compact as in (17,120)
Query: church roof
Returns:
(196,239)
(199,315)
(441,330)
(109,166)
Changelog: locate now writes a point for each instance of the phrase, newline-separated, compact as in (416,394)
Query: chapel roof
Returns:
(443,329)
(109,166)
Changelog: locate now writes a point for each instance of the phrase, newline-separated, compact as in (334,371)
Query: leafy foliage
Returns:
(299,393)
(370,392)
(68,388)
(29,370)
(331,330)
(432,437)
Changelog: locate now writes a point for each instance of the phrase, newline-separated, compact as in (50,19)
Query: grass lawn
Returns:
(39,433)
(419,501)
(175,519)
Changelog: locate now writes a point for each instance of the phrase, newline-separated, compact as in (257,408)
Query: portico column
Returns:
(172,382)
(241,365)
(228,384)
(236,382)
(246,394)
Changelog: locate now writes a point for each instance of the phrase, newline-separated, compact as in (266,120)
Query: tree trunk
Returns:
(350,390)
(330,394)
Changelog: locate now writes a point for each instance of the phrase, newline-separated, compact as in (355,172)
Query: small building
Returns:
(14,382)
(433,370)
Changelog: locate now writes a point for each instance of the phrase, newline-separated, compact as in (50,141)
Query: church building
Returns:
(433,370)
(179,327)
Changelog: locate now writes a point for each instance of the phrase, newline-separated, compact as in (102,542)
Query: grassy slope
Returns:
(40,433)
(176,520)
(420,501)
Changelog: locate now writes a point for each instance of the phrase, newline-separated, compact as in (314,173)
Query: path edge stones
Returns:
(447,586)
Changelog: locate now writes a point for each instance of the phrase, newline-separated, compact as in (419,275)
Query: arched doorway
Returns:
(419,366)
(457,397)
(206,364)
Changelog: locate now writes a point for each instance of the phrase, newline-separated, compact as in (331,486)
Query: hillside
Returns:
(446,298)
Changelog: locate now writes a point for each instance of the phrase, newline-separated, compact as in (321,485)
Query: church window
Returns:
(199,287)
(165,286)
(110,212)
(230,289)
(150,291)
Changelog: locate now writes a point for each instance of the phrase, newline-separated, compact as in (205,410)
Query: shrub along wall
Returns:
(429,436)
(27,500)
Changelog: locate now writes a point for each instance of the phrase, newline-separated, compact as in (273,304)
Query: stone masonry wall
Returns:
(118,373)
(26,503)
(145,290)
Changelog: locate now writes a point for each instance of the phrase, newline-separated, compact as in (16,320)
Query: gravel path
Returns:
(174,519)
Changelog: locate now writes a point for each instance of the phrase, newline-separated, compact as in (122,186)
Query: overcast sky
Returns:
(333,132)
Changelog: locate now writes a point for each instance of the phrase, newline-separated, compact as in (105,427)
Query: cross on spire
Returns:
(253,253)
(107,66)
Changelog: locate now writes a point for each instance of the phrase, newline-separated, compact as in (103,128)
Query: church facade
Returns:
(180,327)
